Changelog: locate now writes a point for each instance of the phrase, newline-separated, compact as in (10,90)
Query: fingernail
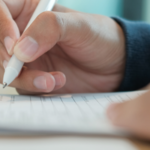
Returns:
(26,48)
(57,80)
(40,83)
(112,112)
(9,43)
(5,63)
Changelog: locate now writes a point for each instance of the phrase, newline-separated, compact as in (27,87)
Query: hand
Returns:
(133,115)
(64,48)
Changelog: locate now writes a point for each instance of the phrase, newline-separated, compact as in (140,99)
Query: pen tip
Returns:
(4,85)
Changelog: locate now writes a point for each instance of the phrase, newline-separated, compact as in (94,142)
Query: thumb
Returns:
(9,32)
(48,29)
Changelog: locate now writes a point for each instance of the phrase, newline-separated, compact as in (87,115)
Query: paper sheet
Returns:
(76,113)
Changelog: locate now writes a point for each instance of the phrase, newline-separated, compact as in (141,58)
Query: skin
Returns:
(132,115)
(77,53)
(86,52)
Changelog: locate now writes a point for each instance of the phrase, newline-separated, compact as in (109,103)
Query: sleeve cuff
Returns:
(137,69)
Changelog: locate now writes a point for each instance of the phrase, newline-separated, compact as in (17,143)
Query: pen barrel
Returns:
(44,5)
(15,63)
(12,70)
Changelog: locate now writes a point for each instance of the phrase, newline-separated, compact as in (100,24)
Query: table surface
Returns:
(67,142)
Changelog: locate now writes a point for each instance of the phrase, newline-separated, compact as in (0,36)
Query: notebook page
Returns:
(76,113)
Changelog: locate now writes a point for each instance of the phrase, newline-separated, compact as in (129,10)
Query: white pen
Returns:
(15,65)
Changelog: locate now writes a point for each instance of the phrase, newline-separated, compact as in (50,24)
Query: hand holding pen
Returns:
(63,51)
(15,65)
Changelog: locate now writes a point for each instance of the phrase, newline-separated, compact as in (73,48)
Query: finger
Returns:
(48,29)
(132,115)
(15,7)
(4,57)
(60,80)
(39,81)
(23,92)
(9,32)
(24,16)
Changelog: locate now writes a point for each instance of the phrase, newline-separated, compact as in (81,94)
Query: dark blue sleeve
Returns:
(137,70)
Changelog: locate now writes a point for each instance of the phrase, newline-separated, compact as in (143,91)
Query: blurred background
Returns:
(129,9)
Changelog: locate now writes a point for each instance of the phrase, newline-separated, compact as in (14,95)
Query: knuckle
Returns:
(48,17)
(48,21)
(61,22)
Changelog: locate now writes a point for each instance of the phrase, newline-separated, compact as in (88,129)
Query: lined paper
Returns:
(76,113)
